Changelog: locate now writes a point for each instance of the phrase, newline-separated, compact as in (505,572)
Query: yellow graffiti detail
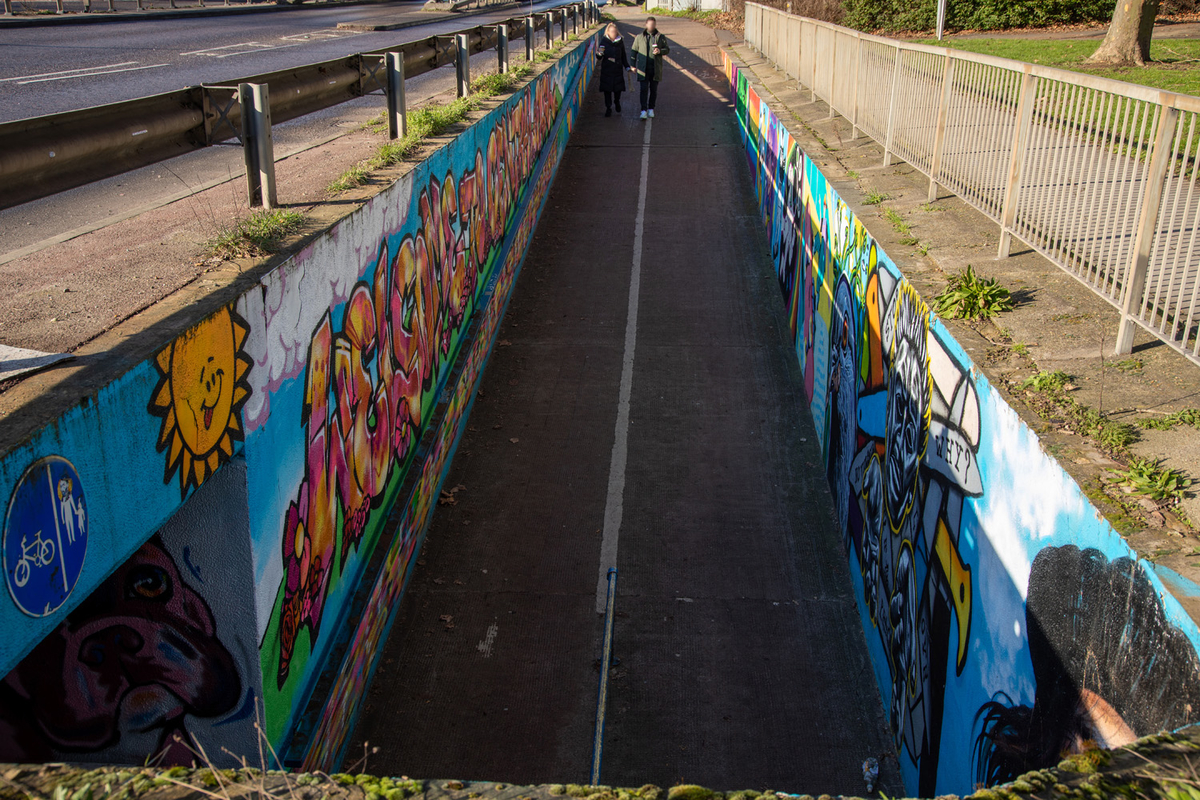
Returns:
(201,388)
(958,575)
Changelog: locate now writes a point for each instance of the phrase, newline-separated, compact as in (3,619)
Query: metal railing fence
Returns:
(1097,175)
(41,156)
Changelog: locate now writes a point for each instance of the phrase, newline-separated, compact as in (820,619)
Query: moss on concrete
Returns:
(1163,766)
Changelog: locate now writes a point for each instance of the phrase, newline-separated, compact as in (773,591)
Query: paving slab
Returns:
(741,660)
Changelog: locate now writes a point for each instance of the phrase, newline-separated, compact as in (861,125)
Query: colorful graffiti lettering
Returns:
(365,339)
(367,378)
(335,725)
(201,390)
(910,433)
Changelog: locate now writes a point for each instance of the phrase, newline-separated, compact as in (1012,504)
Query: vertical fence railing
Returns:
(1097,175)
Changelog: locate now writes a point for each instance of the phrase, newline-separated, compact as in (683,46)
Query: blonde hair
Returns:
(612,26)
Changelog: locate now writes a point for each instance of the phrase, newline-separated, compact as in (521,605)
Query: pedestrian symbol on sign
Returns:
(45,536)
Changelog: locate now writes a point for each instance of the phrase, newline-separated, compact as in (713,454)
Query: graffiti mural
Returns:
(320,409)
(149,665)
(361,344)
(999,606)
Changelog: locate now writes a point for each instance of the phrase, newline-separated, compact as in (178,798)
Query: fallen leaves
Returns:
(447,498)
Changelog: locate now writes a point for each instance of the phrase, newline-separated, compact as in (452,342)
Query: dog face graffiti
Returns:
(124,671)
(201,390)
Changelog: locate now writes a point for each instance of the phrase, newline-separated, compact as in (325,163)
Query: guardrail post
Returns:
(939,133)
(1012,189)
(502,48)
(462,63)
(257,147)
(397,107)
(530,29)
(891,124)
(1139,262)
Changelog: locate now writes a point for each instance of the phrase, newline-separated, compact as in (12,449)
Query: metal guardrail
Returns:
(44,155)
(1097,175)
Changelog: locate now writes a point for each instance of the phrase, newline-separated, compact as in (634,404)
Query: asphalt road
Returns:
(188,52)
(62,68)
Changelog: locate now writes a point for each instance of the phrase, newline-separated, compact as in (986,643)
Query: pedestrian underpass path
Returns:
(741,660)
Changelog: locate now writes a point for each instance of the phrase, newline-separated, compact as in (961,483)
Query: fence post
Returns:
(397,106)
(139,5)
(257,147)
(939,134)
(1139,262)
(59,7)
(832,71)
(891,123)
(111,5)
(549,30)
(530,27)
(812,70)
(562,25)
(8,8)
(575,20)
(854,131)
(1012,189)
(502,48)
(462,63)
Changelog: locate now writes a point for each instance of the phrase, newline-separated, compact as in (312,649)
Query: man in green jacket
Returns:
(649,47)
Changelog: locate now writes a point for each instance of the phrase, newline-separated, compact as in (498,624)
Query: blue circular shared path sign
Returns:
(45,536)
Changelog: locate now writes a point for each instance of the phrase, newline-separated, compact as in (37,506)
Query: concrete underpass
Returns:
(740,661)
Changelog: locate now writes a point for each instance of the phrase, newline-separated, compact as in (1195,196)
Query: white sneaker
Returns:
(651,112)
(643,115)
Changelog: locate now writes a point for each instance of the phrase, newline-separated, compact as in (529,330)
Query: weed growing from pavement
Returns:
(1148,478)
(1021,349)
(1047,381)
(900,226)
(969,296)
(1188,416)
(1126,365)
(260,234)
(875,197)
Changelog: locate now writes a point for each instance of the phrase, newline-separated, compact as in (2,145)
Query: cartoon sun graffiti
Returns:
(201,389)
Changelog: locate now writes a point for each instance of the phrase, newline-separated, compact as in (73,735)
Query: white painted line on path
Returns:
(614,505)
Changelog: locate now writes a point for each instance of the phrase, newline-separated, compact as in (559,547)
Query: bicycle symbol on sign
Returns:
(38,553)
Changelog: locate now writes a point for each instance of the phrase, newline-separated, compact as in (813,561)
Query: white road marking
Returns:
(489,640)
(66,72)
(85,72)
(292,40)
(614,505)
(227,50)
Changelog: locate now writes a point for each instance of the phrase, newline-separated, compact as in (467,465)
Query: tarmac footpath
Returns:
(643,409)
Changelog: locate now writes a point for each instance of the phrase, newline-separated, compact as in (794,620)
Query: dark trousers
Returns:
(609,97)
(649,90)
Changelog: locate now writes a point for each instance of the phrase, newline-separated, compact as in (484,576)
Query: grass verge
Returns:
(1176,66)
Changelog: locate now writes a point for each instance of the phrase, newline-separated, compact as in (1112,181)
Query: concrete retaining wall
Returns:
(1006,620)
(219,537)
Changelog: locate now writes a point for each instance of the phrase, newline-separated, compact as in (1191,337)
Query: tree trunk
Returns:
(1127,42)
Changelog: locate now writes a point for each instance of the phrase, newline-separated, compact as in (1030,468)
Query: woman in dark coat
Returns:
(613,63)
